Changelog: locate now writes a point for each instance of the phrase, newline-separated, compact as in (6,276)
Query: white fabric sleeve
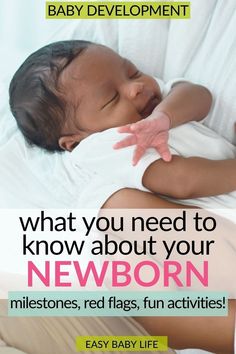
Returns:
(104,170)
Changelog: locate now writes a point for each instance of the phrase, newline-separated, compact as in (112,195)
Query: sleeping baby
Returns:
(73,95)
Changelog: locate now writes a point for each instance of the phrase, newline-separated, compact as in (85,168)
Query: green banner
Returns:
(117,303)
(117,10)
(121,343)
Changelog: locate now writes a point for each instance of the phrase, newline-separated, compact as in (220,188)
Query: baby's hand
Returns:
(149,132)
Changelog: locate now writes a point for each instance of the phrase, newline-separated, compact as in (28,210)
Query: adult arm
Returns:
(128,198)
(215,334)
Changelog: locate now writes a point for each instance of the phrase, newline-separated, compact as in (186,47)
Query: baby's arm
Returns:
(191,177)
(184,103)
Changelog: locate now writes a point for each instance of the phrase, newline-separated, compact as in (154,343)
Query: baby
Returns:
(68,91)
(67,96)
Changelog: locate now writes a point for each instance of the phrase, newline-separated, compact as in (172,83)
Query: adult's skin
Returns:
(215,334)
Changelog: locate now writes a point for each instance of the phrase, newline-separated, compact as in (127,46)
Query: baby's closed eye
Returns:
(135,75)
(111,100)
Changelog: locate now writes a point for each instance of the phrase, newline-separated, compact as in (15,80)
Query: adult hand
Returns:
(151,132)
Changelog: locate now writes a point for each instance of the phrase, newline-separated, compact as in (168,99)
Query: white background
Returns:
(23,29)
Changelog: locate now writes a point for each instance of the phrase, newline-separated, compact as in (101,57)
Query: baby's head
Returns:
(68,90)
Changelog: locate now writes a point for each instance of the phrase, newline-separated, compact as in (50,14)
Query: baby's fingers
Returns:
(138,153)
(125,129)
(128,141)
(146,126)
(139,126)
(164,152)
(160,143)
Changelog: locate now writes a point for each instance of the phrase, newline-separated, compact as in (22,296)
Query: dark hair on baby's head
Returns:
(35,99)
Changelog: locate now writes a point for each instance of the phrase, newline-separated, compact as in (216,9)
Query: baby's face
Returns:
(106,91)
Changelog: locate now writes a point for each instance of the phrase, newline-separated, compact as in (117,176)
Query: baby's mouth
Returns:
(149,107)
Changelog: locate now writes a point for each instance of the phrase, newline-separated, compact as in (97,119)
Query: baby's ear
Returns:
(69,142)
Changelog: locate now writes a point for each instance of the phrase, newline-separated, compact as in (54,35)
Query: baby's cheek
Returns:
(154,87)
(131,117)
(125,113)
(157,89)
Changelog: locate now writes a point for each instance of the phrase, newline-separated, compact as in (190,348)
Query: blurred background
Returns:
(23,29)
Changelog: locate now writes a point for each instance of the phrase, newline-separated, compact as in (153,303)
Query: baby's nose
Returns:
(133,89)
